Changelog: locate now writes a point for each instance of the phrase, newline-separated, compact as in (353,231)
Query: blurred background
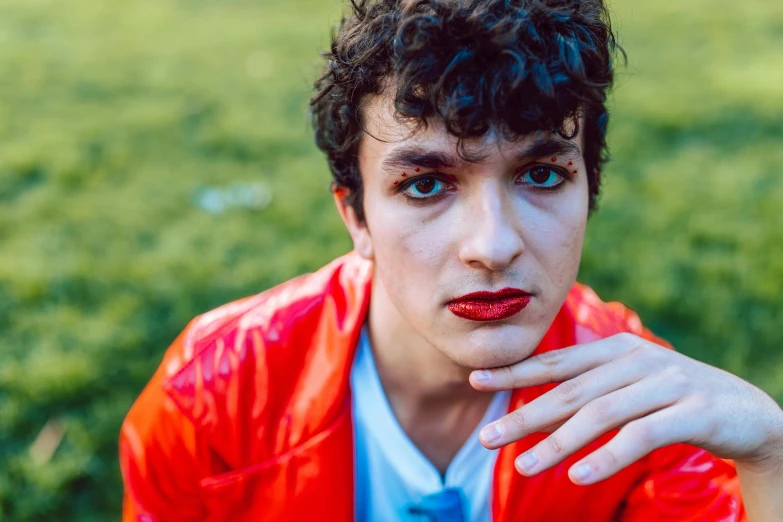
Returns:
(156,161)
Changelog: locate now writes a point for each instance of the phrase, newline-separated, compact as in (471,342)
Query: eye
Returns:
(541,177)
(423,187)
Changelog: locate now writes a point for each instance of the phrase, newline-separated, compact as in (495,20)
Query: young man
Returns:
(466,139)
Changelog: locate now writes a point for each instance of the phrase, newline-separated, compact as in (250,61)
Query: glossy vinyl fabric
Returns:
(248,418)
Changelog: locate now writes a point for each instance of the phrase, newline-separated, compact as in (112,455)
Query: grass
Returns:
(119,119)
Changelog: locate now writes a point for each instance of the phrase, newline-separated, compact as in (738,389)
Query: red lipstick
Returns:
(490,306)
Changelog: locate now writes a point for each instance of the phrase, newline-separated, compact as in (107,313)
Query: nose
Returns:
(492,239)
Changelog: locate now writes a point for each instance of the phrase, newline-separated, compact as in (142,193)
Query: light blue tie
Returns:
(445,506)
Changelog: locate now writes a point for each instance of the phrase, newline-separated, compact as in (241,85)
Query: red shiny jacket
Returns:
(248,418)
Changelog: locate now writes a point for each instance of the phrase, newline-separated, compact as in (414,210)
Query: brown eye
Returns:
(540,175)
(425,186)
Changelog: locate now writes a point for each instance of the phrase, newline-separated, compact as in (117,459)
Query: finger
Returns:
(635,440)
(564,401)
(599,416)
(556,365)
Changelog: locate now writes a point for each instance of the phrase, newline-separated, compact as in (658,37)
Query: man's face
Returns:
(439,228)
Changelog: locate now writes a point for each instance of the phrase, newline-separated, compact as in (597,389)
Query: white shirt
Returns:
(391,472)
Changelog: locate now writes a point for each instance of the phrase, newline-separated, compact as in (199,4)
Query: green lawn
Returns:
(120,123)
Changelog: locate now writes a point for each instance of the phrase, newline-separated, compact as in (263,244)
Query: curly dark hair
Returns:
(515,66)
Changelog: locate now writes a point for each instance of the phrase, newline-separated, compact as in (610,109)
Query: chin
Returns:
(495,345)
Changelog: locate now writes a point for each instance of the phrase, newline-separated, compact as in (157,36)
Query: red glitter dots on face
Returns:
(576,171)
(418,170)
(396,182)
(570,163)
(404,174)
(452,177)
(554,160)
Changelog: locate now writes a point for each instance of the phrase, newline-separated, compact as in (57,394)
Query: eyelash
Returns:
(405,185)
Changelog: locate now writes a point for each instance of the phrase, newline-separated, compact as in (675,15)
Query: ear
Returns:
(362,241)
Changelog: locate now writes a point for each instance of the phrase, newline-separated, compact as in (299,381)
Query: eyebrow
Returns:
(417,156)
(549,147)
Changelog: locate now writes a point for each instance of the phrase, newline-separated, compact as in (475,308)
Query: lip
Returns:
(490,306)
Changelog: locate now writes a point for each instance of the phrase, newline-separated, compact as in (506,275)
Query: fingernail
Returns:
(582,471)
(527,461)
(491,433)
(482,376)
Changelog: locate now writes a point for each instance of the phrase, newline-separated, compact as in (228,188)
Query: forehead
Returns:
(389,138)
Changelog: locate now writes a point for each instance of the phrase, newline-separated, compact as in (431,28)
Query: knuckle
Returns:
(506,374)
(658,354)
(551,358)
(678,377)
(628,338)
(568,392)
(609,458)
(555,444)
(701,403)
(711,429)
(644,432)
(707,429)
(550,361)
(516,419)
(600,411)
(645,350)
(650,352)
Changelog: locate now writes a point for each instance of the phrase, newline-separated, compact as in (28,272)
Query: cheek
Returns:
(570,250)
(410,251)
(411,242)
(557,242)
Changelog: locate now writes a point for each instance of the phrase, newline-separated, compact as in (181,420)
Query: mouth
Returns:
(490,306)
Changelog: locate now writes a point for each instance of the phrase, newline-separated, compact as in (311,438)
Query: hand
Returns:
(655,395)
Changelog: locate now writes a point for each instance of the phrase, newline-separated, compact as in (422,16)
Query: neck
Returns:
(429,393)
